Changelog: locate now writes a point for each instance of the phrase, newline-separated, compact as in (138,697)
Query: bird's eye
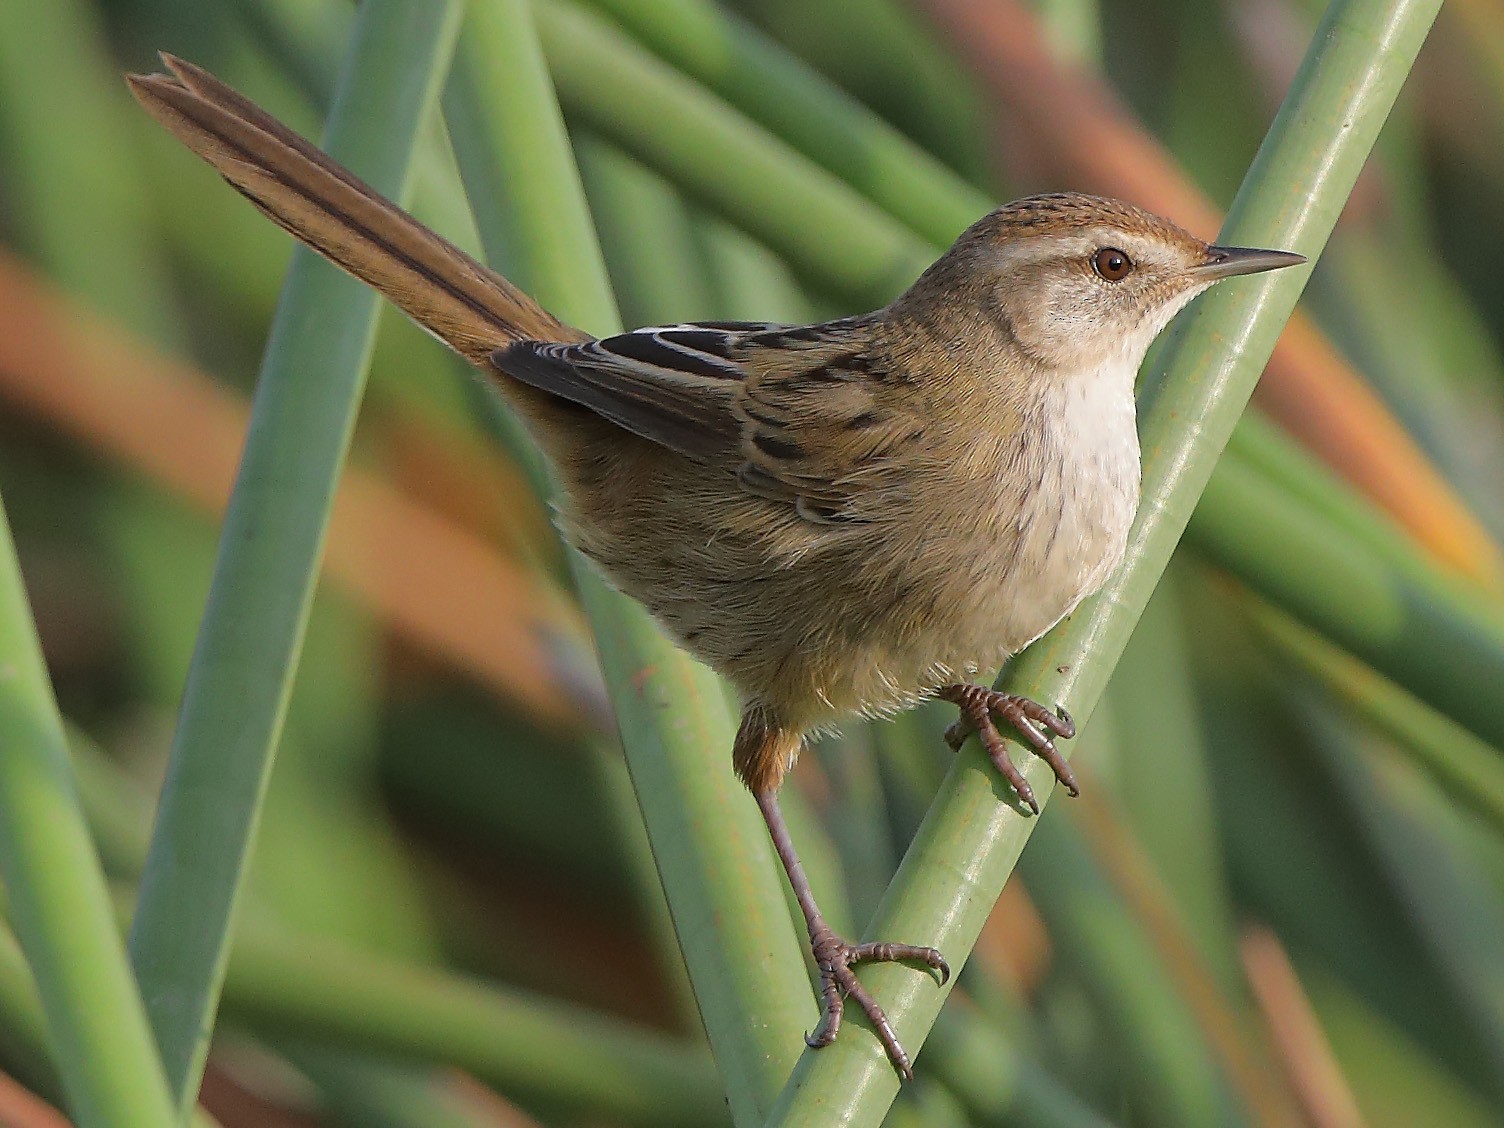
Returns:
(1112,264)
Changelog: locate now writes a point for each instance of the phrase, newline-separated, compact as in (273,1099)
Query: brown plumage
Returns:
(842,518)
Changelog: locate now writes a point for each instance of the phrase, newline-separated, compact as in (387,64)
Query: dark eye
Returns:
(1112,264)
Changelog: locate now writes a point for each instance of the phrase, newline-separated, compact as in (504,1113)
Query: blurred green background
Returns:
(1278,901)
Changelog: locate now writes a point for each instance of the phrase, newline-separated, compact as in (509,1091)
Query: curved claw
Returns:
(1069,731)
(1037,725)
(836,958)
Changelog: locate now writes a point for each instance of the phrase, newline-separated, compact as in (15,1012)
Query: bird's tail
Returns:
(469,307)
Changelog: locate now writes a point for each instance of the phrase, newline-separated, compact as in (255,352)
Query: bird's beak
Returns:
(1225,262)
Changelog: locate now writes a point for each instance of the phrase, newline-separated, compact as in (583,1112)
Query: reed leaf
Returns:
(547,1052)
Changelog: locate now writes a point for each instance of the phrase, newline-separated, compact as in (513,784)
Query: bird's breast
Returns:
(1063,500)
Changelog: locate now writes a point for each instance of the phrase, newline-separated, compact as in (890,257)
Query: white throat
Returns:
(1073,527)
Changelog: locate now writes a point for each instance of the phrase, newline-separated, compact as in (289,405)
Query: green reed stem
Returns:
(102,1045)
(248,645)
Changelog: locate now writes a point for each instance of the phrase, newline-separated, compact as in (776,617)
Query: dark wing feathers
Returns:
(673,385)
(698,350)
(821,436)
(806,430)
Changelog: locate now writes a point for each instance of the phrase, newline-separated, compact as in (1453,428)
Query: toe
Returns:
(1033,734)
(820,1037)
(880,1024)
(884,952)
(1061,768)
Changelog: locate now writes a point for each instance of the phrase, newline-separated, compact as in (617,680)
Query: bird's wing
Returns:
(671,384)
(800,408)
(823,423)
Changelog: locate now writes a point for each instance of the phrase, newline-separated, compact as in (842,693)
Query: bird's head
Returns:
(1073,282)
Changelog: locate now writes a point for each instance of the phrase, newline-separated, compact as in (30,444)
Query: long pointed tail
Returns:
(469,307)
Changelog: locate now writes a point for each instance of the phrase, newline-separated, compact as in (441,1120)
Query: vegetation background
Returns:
(1278,901)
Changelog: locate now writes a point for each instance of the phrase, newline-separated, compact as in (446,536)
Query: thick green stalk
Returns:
(248,645)
(102,1044)
(718,869)
(971,839)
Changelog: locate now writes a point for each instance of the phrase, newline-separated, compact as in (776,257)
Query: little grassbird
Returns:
(842,519)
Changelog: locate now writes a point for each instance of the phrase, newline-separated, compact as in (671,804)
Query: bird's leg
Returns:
(1036,724)
(835,957)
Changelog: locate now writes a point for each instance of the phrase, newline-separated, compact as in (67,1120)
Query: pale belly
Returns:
(983,593)
(917,609)
(873,620)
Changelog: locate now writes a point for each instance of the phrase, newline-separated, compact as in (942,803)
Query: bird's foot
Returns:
(835,958)
(981,707)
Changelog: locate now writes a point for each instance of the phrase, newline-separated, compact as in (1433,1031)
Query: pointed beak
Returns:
(1226,262)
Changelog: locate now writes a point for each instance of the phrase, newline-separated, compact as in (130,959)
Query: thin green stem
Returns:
(1175,1076)
(1433,634)
(249,642)
(827,231)
(764,80)
(968,844)
(69,128)
(24,1039)
(102,1045)
(1470,770)
(582,1064)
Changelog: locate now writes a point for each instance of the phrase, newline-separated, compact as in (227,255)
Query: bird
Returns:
(842,519)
